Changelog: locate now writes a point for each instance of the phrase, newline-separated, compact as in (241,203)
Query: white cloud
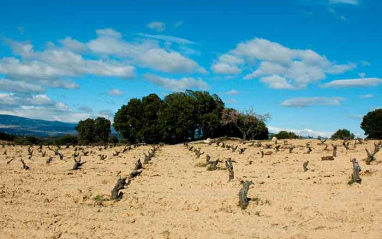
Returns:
(278,66)
(86,109)
(232,92)
(362,82)
(73,45)
(11,100)
(107,114)
(59,84)
(115,92)
(59,106)
(365,63)
(178,24)
(339,69)
(303,132)
(108,32)
(48,114)
(165,61)
(227,64)
(224,68)
(20,86)
(277,82)
(168,39)
(177,85)
(351,2)
(312,101)
(40,100)
(362,74)
(50,66)
(231,101)
(157,26)
(146,53)
(367,96)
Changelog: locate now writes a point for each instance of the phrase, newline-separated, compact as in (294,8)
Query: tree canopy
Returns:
(93,130)
(342,134)
(372,124)
(286,135)
(182,116)
(248,123)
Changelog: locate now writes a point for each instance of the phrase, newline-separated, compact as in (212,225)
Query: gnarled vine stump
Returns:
(228,164)
(355,178)
(243,199)
(115,193)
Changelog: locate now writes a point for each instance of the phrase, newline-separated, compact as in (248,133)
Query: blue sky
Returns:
(314,65)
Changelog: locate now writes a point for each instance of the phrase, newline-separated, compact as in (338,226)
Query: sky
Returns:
(314,65)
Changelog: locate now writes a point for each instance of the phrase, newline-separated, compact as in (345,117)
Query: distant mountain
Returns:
(41,128)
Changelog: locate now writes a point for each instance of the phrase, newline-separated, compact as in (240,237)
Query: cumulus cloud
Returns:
(227,64)
(145,53)
(312,101)
(232,92)
(351,2)
(115,92)
(41,107)
(348,83)
(302,132)
(59,106)
(367,96)
(107,55)
(46,113)
(16,100)
(73,45)
(177,40)
(157,26)
(107,114)
(50,66)
(338,69)
(177,85)
(231,101)
(20,86)
(277,82)
(86,109)
(278,66)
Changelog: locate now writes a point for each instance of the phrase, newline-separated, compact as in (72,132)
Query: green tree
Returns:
(342,134)
(86,131)
(150,131)
(93,131)
(113,139)
(372,124)
(207,109)
(286,135)
(176,118)
(128,120)
(102,129)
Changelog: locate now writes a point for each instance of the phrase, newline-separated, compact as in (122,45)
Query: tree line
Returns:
(181,117)
(185,116)
(193,115)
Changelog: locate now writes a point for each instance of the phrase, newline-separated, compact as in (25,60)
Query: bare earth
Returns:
(176,197)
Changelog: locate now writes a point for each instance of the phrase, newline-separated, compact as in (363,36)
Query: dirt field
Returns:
(177,197)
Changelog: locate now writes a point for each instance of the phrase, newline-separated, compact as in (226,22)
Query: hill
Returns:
(41,128)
